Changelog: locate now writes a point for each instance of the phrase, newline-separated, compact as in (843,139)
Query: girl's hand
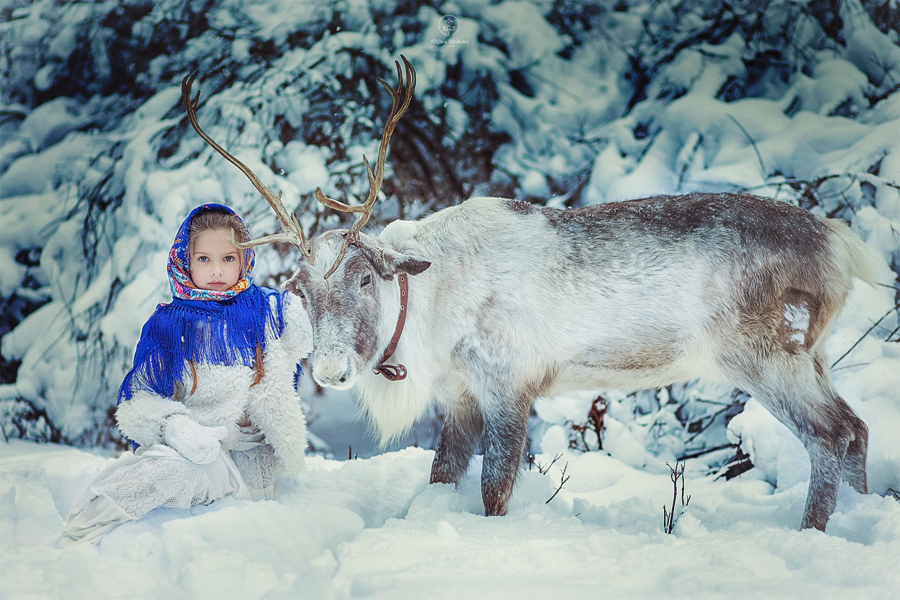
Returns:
(248,437)
(195,442)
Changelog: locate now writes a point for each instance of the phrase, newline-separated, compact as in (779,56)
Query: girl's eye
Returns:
(229,259)
(202,258)
(366,281)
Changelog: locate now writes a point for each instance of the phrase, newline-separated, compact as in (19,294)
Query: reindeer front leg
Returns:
(460,434)
(505,435)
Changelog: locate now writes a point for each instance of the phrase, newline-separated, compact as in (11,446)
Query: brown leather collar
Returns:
(396,372)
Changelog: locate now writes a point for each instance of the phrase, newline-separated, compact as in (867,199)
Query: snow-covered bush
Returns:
(564,103)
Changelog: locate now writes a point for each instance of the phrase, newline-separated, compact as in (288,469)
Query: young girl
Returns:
(210,405)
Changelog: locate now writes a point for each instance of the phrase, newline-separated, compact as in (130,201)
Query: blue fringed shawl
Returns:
(225,332)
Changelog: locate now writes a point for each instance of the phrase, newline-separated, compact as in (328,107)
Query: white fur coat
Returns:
(224,396)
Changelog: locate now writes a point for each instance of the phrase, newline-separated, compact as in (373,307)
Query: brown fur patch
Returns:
(518,206)
(756,222)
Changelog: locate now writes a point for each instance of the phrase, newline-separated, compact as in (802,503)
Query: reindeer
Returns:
(482,307)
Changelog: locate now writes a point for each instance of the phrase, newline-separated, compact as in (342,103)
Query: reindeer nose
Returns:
(332,368)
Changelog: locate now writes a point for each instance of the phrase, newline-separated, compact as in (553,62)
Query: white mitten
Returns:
(195,442)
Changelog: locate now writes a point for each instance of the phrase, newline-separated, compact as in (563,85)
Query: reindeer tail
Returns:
(851,252)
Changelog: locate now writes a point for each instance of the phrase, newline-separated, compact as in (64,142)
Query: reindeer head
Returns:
(343,302)
(353,312)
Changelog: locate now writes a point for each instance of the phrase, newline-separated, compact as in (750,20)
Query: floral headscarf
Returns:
(179,264)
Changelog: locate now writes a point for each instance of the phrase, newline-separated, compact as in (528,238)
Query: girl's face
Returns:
(214,263)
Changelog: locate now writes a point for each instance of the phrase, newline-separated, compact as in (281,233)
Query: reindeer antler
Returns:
(292,232)
(402,96)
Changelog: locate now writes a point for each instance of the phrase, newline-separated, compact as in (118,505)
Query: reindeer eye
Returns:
(295,289)
(366,281)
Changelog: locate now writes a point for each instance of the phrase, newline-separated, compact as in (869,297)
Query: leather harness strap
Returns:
(396,372)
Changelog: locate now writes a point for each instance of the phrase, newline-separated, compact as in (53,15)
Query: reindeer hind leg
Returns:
(854,467)
(787,385)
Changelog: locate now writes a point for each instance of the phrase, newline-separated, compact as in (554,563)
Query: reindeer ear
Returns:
(402,250)
(410,265)
(389,261)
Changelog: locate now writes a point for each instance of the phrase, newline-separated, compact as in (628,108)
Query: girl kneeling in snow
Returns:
(210,404)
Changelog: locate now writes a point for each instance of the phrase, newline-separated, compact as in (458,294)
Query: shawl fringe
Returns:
(226,332)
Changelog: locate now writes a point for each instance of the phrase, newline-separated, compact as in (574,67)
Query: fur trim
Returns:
(141,419)
(274,405)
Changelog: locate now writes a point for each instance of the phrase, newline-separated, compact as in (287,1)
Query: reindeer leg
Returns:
(854,468)
(826,461)
(787,385)
(459,437)
(505,435)
(854,471)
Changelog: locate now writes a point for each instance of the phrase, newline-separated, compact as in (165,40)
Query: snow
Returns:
(374,528)
(821,117)
(305,165)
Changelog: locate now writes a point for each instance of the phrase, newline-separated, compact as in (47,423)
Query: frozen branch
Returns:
(669,517)
(563,478)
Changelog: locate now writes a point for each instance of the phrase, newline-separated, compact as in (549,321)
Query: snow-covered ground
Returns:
(375,528)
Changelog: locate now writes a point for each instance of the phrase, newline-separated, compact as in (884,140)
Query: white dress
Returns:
(156,475)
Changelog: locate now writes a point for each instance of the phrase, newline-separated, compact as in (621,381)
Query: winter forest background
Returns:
(557,102)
